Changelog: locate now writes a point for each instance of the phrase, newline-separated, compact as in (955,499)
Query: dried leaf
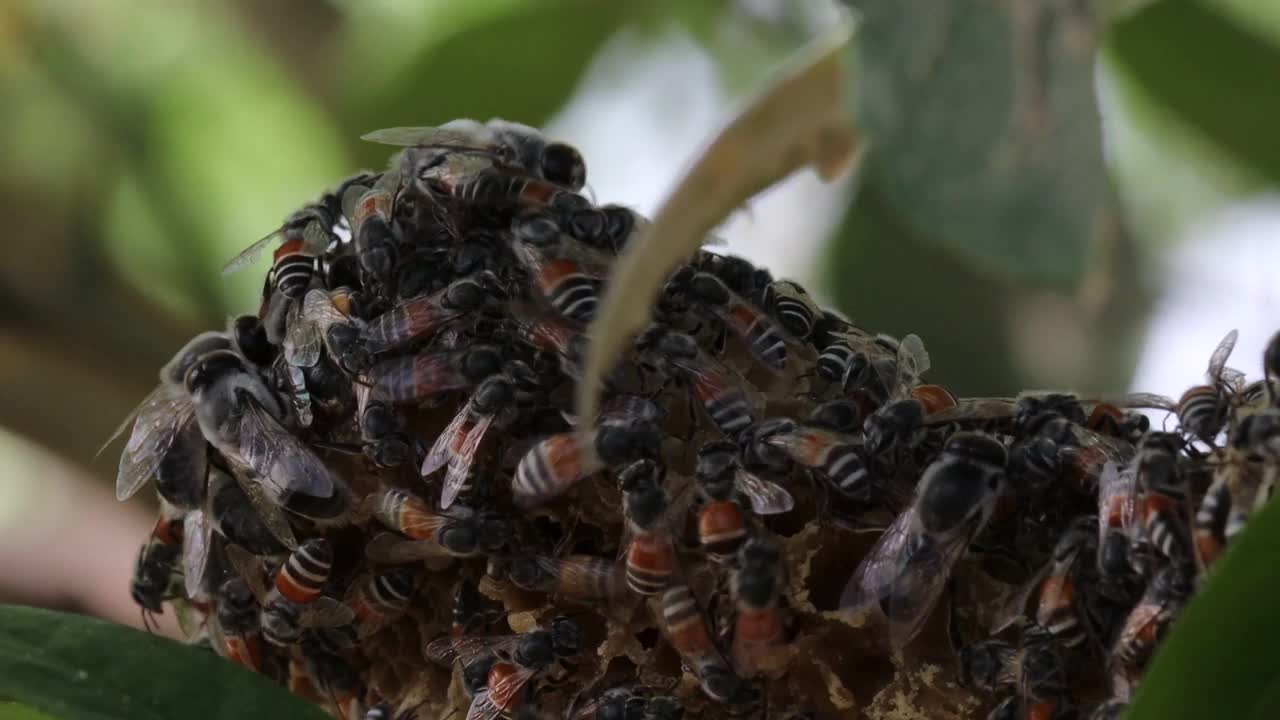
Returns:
(802,118)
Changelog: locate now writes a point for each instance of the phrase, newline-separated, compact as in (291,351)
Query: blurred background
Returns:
(1056,193)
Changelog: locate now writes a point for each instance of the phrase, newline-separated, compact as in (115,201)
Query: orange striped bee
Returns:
(418,318)
(837,458)
(720,390)
(412,379)
(294,601)
(758,626)
(686,630)
(457,444)
(381,599)
(722,525)
(1145,627)
(650,551)
(580,577)
(1164,510)
(369,212)
(756,328)
(557,463)
(567,273)
(428,534)
(235,628)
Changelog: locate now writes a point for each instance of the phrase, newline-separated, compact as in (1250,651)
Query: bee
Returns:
(382,433)
(420,317)
(836,457)
(457,444)
(1211,520)
(844,350)
(607,228)
(579,577)
(720,390)
(380,599)
(686,630)
(650,552)
(906,570)
(157,574)
(791,305)
(1164,505)
(758,330)
(412,379)
(1035,670)
(369,211)
(332,676)
(164,423)
(234,627)
(294,601)
(1146,626)
(1117,519)
(326,322)
(512,145)
(1060,605)
(550,333)
(898,422)
(557,463)
(720,476)
(562,639)
(759,623)
(460,533)
(1203,409)
(567,273)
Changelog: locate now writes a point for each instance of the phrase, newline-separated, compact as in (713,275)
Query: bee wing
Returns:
(1218,360)
(190,620)
(249,567)
(158,421)
(920,585)
(197,535)
(912,362)
(1233,379)
(325,612)
(265,505)
(1016,607)
(442,448)
(460,464)
(408,321)
(766,496)
(975,409)
(881,567)
(249,255)
(1148,400)
(284,463)
(392,549)
(303,339)
(508,687)
(422,137)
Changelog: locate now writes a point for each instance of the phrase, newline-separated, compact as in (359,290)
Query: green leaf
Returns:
(986,129)
(79,668)
(14,711)
(1214,75)
(1219,659)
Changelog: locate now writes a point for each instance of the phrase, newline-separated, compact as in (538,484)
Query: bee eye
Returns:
(563,165)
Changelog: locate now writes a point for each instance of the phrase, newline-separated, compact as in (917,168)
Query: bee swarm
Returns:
(373,491)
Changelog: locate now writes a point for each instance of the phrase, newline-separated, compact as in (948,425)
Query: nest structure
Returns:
(374,491)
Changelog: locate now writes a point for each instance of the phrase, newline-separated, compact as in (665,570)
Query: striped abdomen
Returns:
(721,529)
(650,561)
(304,574)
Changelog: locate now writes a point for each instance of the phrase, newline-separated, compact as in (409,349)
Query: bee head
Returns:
(211,368)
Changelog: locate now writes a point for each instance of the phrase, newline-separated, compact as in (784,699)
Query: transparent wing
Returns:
(975,410)
(197,536)
(916,592)
(1218,360)
(268,510)
(281,459)
(1148,400)
(507,688)
(766,496)
(325,612)
(158,421)
(483,707)
(1016,607)
(303,340)
(249,567)
(466,650)
(442,448)
(422,137)
(249,255)
(913,360)
(1117,500)
(392,549)
(460,464)
(881,568)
